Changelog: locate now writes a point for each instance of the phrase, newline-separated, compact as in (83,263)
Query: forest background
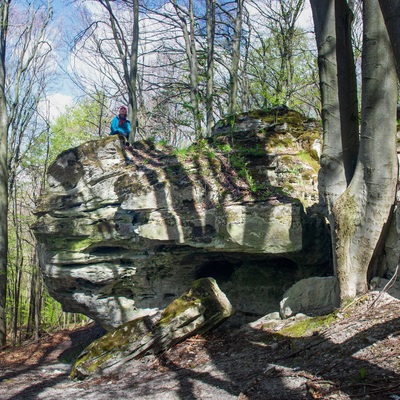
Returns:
(180,66)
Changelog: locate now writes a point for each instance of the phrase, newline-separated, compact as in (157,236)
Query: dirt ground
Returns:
(355,357)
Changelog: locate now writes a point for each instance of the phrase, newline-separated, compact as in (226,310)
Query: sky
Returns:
(65,93)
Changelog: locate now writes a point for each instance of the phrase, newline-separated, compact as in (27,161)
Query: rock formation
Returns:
(121,234)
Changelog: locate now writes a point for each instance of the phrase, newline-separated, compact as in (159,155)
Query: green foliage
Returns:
(277,80)
(308,158)
(239,164)
(77,125)
(362,374)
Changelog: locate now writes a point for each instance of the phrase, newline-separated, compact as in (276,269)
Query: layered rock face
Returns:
(123,233)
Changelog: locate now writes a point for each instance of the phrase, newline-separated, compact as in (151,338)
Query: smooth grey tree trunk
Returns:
(210,5)
(191,54)
(364,209)
(391,14)
(233,73)
(358,197)
(347,80)
(4,6)
(332,177)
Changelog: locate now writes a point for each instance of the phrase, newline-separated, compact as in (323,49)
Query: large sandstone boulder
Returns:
(312,296)
(120,234)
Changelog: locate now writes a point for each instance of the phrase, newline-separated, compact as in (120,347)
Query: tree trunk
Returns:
(18,262)
(358,199)
(391,15)
(133,64)
(210,5)
(32,297)
(4,6)
(233,73)
(332,179)
(191,54)
(347,80)
(364,209)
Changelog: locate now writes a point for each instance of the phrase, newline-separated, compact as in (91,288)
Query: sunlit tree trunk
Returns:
(133,73)
(210,5)
(4,6)
(17,264)
(128,56)
(358,201)
(364,209)
(234,70)
(332,179)
(188,31)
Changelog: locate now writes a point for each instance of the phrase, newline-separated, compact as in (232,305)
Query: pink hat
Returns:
(123,108)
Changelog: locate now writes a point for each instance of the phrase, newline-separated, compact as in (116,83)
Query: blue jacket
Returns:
(124,129)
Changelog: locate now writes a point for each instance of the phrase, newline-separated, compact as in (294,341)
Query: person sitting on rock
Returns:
(120,125)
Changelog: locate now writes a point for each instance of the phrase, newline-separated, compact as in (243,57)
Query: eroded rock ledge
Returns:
(121,234)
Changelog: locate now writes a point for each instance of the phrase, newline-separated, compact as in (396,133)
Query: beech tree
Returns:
(359,170)
(187,25)
(4,8)
(281,49)
(210,27)
(105,55)
(127,50)
(233,72)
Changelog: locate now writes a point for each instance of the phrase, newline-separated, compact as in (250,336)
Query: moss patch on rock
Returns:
(198,310)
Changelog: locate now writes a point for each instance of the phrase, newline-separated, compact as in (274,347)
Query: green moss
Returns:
(198,296)
(345,210)
(178,306)
(307,158)
(105,348)
(80,245)
(258,150)
(146,145)
(279,140)
(225,148)
(67,244)
(88,364)
(126,184)
(277,116)
(308,326)
(186,301)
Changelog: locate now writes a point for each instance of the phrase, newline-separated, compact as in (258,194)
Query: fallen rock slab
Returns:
(202,307)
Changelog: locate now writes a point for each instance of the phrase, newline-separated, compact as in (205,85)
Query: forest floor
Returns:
(355,356)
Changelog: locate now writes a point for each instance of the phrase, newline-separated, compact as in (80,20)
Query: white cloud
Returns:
(56,104)
(305,20)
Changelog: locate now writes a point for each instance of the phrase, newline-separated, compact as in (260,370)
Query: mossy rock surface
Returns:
(199,309)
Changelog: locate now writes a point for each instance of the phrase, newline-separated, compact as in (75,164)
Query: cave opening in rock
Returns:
(220,270)
(254,283)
